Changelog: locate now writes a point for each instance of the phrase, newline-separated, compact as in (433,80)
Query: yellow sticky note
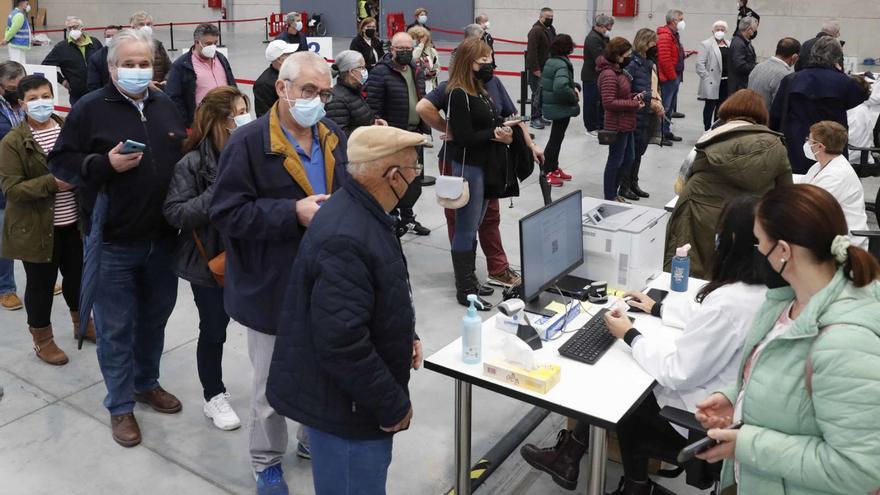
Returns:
(557,307)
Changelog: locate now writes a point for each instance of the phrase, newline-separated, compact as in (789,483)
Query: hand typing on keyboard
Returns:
(617,322)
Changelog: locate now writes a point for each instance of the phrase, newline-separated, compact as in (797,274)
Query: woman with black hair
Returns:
(702,359)
(561,102)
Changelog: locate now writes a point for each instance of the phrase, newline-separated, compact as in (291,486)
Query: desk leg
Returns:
(463,438)
(598,454)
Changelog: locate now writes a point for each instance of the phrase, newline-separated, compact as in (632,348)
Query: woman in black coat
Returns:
(348,108)
(186,207)
(367,42)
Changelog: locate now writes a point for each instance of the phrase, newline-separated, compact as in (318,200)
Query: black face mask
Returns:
(371,33)
(403,58)
(393,191)
(754,35)
(11,97)
(548,22)
(484,73)
(625,61)
(772,279)
(652,53)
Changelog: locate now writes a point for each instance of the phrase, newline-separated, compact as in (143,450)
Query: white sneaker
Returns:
(219,410)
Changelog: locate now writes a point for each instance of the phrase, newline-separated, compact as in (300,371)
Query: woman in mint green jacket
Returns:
(808,391)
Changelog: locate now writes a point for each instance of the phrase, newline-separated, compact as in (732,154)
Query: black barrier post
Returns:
(171,28)
(266,20)
(220,38)
(523,92)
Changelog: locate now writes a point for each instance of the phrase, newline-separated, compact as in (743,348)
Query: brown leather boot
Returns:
(90,327)
(160,400)
(45,347)
(561,462)
(126,431)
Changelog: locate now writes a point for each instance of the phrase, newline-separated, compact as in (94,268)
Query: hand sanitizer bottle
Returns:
(681,269)
(471,334)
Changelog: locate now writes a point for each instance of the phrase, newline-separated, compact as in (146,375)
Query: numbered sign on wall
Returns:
(322,46)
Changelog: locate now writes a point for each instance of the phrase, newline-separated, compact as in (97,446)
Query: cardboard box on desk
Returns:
(539,380)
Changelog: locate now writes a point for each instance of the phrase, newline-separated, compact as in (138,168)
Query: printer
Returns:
(623,243)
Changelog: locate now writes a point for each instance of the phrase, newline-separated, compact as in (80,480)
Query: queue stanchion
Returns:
(266,20)
(220,38)
(171,30)
(523,91)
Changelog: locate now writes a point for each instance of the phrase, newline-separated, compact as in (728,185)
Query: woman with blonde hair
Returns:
(425,55)
(220,113)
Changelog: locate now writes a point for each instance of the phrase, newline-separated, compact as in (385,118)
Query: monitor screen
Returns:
(551,244)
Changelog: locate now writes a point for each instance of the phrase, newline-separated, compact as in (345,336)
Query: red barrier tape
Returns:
(163,24)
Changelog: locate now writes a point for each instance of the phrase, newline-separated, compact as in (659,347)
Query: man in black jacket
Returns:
(745,11)
(121,196)
(198,71)
(347,341)
(70,57)
(99,76)
(537,52)
(294,33)
(264,88)
(483,21)
(742,55)
(394,88)
(830,27)
(594,47)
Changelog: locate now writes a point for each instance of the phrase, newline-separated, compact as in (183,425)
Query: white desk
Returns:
(601,394)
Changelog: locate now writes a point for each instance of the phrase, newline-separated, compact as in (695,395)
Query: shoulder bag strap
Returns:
(446,145)
(200,247)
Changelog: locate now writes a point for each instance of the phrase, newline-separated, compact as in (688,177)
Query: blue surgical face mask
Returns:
(40,110)
(307,112)
(133,80)
(363,77)
(242,119)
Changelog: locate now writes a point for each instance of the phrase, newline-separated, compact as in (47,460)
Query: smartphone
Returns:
(132,147)
(658,295)
(702,445)
(512,121)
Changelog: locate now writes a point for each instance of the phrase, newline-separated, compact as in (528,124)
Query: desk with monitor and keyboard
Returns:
(601,393)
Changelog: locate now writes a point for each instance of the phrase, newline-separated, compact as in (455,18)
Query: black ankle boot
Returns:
(466,280)
(627,193)
(634,187)
(561,462)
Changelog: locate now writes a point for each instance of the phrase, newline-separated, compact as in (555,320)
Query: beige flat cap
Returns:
(370,143)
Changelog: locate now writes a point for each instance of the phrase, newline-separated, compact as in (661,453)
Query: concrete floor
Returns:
(54,435)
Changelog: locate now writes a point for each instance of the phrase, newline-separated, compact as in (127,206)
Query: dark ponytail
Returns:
(861,267)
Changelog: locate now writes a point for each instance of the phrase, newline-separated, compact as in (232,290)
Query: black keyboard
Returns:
(590,342)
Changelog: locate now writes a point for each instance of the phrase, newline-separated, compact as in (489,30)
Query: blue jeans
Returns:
(619,152)
(342,466)
(7,269)
(469,217)
(135,296)
(668,93)
(593,111)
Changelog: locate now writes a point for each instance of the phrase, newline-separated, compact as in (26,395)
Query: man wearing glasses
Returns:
(273,176)
(394,88)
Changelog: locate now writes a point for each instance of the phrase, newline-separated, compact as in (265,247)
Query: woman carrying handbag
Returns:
(474,125)
(200,255)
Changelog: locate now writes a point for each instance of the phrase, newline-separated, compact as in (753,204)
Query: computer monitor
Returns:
(551,245)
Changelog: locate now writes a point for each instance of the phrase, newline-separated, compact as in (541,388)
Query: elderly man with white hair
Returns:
(273,176)
(713,64)
(347,340)
(71,55)
(129,245)
(830,28)
(99,75)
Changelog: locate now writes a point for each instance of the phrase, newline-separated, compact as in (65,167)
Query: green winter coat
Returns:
(559,98)
(30,190)
(734,159)
(793,443)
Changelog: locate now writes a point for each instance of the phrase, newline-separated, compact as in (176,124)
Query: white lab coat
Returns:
(862,120)
(839,179)
(707,354)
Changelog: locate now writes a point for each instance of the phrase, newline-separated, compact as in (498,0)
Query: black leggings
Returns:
(67,255)
(213,321)
(644,435)
(554,144)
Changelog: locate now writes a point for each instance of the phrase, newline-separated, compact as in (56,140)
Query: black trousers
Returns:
(67,256)
(554,144)
(213,321)
(413,192)
(644,435)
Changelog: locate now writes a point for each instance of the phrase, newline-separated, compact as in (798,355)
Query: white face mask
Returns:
(486,26)
(148,30)
(299,25)
(107,41)
(242,119)
(209,51)
(75,34)
(681,25)
(719,35)
(608,33)
(27,9)
(808,151)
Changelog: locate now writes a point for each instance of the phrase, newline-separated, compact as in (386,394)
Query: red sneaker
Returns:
(553,180)
(560,174)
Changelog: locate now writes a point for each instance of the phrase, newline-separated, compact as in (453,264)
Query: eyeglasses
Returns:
(418,168)
(310,91)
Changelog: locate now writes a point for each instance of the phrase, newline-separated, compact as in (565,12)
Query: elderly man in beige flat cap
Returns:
(347,340)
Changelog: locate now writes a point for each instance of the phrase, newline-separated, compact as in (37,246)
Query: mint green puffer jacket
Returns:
(828,443)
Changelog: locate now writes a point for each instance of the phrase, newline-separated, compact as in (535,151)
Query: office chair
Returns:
(698,473)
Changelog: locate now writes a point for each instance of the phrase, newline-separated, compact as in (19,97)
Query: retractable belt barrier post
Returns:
(266,20)
(220,30)
(171,34)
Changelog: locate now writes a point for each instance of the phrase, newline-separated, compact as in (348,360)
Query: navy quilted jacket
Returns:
(344,347)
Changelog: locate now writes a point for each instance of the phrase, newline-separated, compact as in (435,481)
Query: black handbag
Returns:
(607,137)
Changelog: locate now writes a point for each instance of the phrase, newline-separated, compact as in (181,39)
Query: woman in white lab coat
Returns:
(704,357)
(826,145)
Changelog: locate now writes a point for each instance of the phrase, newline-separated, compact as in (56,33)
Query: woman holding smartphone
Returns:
(703,358)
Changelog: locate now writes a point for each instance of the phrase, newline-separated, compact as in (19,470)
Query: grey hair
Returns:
(604,20)
(11,69)
(128,36)
(139,16)
(720,23)
(296,61)
(831,26)
(473,31)
(348,59)
(291,17)
(747,22)
(353,168)
(672,14)
(71,18)
(826,51)
(203,30)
